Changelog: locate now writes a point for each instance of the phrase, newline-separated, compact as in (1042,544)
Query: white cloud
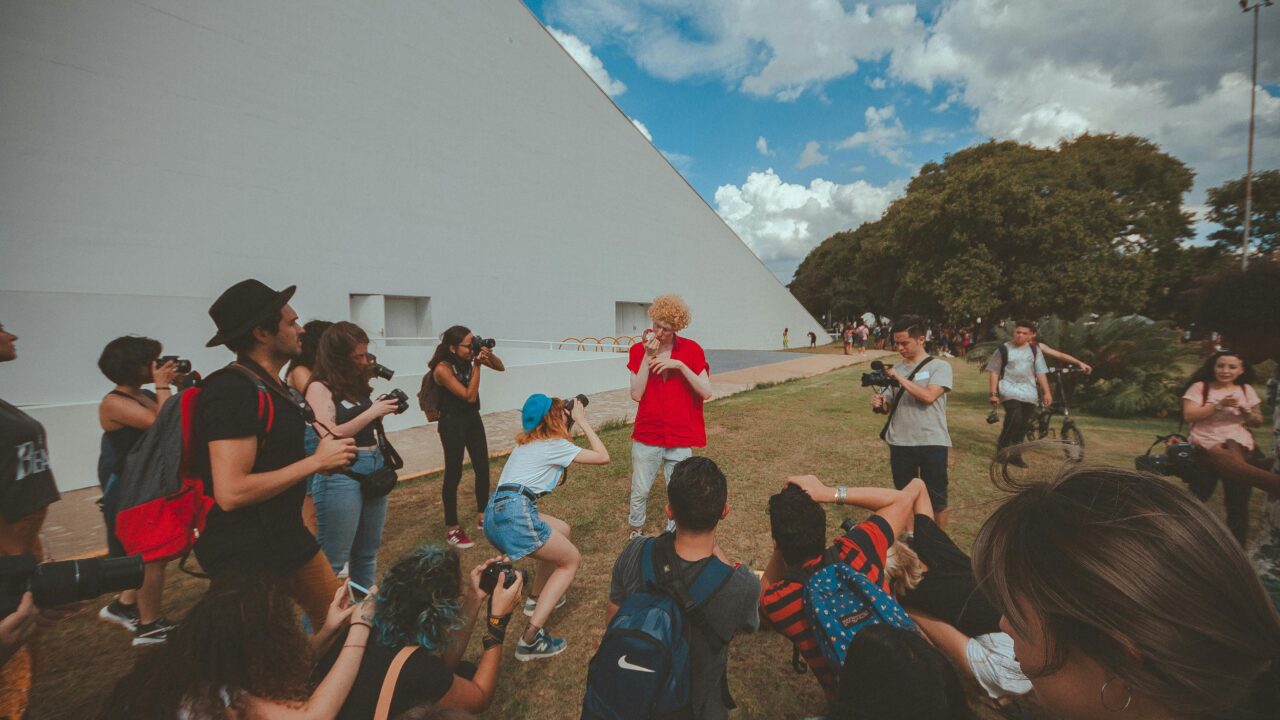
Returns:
(581,54)
(781,222)
(884,135)
(810,156)
(643,130)
(878,83)
(762,146)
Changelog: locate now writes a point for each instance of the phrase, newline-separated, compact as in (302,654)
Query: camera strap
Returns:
(896,398)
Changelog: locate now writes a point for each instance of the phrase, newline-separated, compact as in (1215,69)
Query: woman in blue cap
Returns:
(512,522)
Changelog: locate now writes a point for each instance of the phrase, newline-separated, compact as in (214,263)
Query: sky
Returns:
(795,119)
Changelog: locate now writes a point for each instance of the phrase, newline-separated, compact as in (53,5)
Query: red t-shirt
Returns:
(670,413)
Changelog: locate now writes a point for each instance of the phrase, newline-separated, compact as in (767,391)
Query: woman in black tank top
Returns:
(348,525)
(455,368)
(125,414)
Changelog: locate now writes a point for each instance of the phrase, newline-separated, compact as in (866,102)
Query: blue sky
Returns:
(851,98)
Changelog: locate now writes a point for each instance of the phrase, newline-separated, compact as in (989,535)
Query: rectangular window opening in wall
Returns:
(405,317)
(631,318)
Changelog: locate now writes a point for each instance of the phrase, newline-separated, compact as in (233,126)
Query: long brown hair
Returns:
(553,426)
(1135,574)
(333,365)
(242,636)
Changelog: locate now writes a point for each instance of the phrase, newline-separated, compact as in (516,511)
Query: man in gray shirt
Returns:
(917,427)
(1018,379)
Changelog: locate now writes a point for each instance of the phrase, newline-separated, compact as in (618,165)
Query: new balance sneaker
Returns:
(543,646)
(152,633)
(531,604)
(126,616)
(635,533)
(459,539)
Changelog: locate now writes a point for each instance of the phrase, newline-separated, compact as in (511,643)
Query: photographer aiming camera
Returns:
(348,522)
(455,369)
(125,413)
(916,429)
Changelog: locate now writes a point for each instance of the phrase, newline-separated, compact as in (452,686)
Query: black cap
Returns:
(244,305)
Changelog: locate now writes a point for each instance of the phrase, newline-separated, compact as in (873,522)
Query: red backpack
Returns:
(160,491)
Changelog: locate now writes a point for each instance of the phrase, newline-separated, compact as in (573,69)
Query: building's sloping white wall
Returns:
(151,154)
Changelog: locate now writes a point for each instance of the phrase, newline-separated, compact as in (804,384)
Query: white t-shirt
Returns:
(1019,381)
(993,664)
(539,465)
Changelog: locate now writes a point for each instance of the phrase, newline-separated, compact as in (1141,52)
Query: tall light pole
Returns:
(1253,94)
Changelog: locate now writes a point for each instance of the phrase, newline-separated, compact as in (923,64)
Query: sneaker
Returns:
(531,604)
(480,523)
(459,539)
(635,533)
(126,616)
(152,633)
(543,646)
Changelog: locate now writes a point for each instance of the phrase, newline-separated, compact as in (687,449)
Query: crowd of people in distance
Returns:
(1096,592)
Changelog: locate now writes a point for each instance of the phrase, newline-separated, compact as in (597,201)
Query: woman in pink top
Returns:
(1221,404)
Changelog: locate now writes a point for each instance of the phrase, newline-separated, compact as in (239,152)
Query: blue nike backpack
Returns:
(839,602)
(641,669)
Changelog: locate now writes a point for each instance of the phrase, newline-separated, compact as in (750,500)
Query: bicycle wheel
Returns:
(1073,441)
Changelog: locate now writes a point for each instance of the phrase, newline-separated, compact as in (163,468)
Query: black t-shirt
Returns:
(423,679)
(270,535)
(948,590)
(26,482)
(732,608)
(451,404)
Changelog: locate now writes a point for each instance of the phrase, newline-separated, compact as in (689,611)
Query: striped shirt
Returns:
(782,604)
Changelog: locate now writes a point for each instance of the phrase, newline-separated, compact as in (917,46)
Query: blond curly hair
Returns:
(672,310)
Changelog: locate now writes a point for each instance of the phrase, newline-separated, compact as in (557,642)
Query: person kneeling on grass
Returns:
(512,522)
(425,612)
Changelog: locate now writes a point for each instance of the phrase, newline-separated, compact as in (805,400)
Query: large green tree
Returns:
(1226,208)
(1004,229)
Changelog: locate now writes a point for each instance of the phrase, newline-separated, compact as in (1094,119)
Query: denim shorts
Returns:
(512,524)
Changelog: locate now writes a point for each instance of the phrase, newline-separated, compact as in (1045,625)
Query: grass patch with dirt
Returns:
(820,425)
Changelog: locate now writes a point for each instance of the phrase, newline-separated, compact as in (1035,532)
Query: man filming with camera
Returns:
(914,398)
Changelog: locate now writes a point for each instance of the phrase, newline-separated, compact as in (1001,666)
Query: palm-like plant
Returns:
(1135,361)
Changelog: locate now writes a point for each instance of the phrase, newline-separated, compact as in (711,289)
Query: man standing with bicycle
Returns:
(916,429)
(1015,371)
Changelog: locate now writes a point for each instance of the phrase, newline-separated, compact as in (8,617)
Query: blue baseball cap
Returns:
(535,408)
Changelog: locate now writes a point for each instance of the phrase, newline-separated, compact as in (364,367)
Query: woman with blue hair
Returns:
(424,613)
(512,521)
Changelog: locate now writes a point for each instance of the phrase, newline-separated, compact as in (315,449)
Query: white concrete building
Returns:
(409,164)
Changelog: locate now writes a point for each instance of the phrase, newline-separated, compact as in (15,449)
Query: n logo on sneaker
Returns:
(622,663)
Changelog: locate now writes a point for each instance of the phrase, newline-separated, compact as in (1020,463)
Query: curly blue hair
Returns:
(419,599)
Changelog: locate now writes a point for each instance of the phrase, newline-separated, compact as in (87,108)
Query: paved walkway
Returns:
(74,527)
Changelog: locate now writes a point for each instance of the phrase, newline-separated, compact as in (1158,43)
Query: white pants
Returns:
(646,460)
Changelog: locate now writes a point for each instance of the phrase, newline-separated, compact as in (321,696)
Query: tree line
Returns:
(1004,229)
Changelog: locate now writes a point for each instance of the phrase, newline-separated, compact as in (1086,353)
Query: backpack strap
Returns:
(383,710)
(1003,350)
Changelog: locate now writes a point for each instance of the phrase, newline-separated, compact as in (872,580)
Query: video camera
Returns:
(878,378)
(402,400)
(60,583)
(489,578)
(478,343)
(1179,457)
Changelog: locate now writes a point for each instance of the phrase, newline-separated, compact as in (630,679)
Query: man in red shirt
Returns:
(669,378)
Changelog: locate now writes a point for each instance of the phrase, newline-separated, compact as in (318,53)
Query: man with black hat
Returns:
(253,428)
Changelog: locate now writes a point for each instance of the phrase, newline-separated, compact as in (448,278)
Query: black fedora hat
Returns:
(244,305)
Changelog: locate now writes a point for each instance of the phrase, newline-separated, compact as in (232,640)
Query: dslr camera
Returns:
(184,365)
(478,343)
(489,578)
(402,400)
(878,377)
(59,583)
(1179,457)
(569,402)
(379,370)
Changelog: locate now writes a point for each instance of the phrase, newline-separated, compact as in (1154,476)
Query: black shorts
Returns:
(927,462)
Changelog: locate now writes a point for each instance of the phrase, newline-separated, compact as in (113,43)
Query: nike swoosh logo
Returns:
(622,663)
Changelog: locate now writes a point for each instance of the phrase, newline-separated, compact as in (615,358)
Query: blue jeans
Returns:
(512,524)
(348,525)
(646,460)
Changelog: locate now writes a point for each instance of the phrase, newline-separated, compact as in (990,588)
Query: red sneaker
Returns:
(459,539)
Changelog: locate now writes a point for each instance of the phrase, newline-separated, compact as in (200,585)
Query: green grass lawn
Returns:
(820,425)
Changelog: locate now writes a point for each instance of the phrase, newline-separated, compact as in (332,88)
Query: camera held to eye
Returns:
(183,365)
(489,578)
(478,343)
(378,370)
(878,377)
(568,405)
(402,400)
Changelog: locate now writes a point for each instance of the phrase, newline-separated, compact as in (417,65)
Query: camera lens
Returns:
(59,583)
